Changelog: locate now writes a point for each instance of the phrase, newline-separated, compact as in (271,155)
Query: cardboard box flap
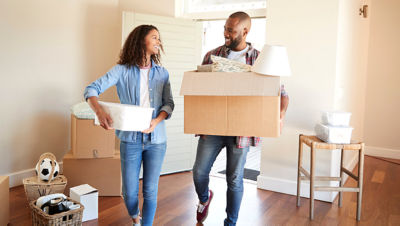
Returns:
(83,189)
(229,84)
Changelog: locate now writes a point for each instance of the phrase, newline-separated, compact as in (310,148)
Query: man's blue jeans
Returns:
(132,156)
(208,149)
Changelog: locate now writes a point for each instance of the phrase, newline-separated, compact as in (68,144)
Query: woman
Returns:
(140,81)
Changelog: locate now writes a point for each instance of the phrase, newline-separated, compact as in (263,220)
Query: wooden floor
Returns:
(177,203)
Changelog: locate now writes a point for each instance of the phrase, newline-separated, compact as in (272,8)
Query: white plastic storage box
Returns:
(88,196)
(334,134)
(336,118)
(127,117)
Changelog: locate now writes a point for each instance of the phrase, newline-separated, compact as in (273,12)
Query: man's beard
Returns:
(235,42)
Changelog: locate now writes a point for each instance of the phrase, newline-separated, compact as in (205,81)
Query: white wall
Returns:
(160,8)
(50,51)
(351,64)
(382,110)
(317,35)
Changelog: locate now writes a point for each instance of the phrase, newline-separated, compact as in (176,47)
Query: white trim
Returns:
(17,177)
(382,152)
(290,186)
(223,15)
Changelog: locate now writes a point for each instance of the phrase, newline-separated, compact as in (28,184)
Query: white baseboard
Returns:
(290,186)
(17,177)
(382,152)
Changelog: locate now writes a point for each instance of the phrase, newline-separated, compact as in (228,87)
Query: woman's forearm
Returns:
(94,104)
(163,115)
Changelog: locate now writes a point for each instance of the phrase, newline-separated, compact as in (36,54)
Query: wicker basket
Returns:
(70,218)
(35,187)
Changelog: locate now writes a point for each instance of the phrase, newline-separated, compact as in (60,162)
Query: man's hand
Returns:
(104,119)
(282,117)
(284,106)
(201,136)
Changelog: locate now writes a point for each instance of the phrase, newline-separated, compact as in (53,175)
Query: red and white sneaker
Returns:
(202,209)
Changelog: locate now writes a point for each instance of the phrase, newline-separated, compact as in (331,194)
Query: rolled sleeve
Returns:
(103,83)
(168,104)
(283,91)
(168,110)
(90,92)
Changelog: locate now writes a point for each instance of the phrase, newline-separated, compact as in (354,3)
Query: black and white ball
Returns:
(44,169)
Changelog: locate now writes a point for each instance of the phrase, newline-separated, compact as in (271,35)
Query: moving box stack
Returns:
(93,159)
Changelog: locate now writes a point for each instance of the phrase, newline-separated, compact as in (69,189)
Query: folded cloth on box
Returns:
(83,111)
(204,68)
(221,64)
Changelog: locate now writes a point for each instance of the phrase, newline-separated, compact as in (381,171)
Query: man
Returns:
(236,28)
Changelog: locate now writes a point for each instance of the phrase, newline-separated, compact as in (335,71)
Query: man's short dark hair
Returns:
(242,16)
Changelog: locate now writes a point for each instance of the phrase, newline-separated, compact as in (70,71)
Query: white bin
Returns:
(336,118)
(334,134)
(127,117)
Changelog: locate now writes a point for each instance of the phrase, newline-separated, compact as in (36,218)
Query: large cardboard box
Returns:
(103,173)
(91,141)
(88,196)
(5,200)
(231,104)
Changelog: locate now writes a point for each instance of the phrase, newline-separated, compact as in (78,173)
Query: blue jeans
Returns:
(208,149)
(132,156)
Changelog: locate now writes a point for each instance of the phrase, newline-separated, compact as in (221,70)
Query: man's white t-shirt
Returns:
(144,87)
(239,56)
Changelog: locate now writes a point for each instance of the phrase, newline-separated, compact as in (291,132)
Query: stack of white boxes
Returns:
(335,127)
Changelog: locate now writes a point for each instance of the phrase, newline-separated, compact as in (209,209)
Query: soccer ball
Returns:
(44,169)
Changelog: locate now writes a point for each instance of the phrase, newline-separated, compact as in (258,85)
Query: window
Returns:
(200,6)
(219,9)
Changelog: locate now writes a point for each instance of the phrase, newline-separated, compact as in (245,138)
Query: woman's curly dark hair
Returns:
(134,51)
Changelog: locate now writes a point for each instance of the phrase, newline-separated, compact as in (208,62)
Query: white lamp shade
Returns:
(273,60)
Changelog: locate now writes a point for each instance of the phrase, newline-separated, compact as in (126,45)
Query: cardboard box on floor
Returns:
(5,200)
(88,196)
(103,173)
(231,104)
(91,141)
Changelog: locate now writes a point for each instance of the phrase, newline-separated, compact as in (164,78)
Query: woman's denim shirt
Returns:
(127,80)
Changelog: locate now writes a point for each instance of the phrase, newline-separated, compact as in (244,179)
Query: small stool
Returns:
(314,143)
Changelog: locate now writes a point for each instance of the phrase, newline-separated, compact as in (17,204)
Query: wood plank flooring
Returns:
(177,203)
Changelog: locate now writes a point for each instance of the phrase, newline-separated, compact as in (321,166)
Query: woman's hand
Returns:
(153,124)
(104,119)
